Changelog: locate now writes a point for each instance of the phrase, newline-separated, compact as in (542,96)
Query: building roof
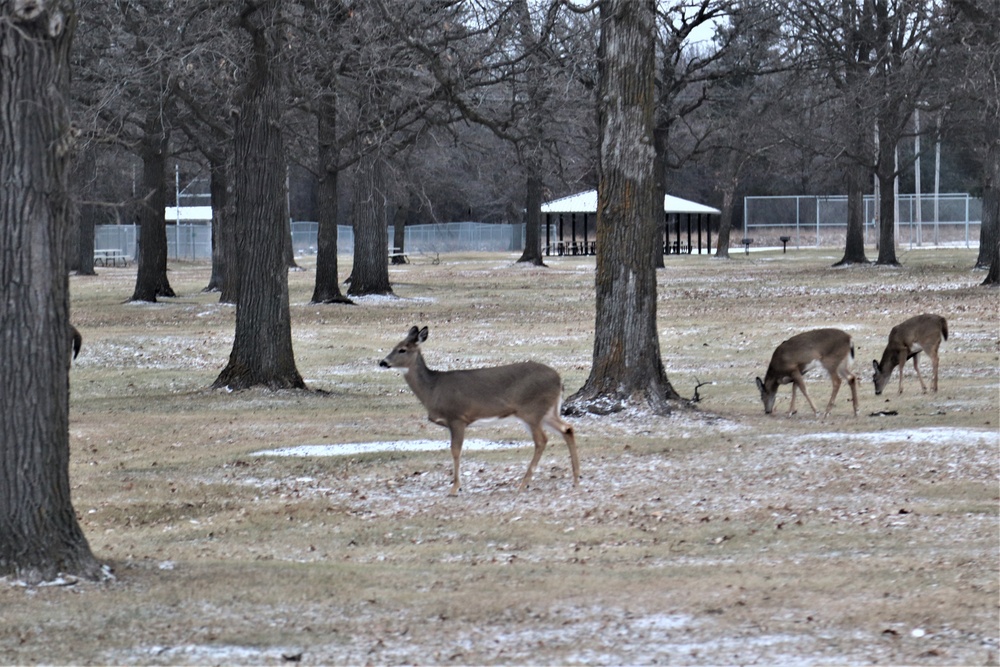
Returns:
(586,202)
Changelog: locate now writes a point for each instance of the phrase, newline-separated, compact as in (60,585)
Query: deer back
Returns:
(827,347)
(526,390)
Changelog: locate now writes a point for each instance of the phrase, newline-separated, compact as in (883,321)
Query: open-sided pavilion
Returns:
(564,237)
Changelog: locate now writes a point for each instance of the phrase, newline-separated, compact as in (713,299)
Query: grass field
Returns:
(718,535)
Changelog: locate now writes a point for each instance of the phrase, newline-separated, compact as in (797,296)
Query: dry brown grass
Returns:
(714,536)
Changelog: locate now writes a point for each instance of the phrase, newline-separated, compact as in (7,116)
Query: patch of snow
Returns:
(932,435)
(354,448)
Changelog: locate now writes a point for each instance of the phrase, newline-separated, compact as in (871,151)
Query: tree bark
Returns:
(854,250)
(989,228)
(82,244)
(399,233)
(223,238)
(151,278)
(327,286)
(40,536)
(532,253)
(990,232)
(262,349)
(725,220)
(627,367)
(371,233)
(886,174)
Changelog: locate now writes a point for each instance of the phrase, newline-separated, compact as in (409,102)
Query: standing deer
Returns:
(922,333)
(832,349)
(530,391)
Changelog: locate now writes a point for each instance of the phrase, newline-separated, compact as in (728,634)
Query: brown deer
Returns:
(832,349)
(922,333)
(530,391)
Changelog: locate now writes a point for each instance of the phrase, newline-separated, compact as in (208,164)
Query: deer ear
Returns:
(760,384)
(412,334)
(422,336)
(875,364)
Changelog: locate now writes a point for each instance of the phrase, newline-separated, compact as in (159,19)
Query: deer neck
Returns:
(421,379)
(891,358)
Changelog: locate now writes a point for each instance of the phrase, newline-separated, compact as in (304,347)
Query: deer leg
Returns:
(852,382)
(457,438)
(538,434)
(835,380)
(791,406)
(934,368)
(802,387)
(553,421)
(923,387)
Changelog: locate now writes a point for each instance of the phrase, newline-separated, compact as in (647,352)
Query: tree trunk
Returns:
(532,253)
(886,173)
(627,368)
(82,235)
(222,247)
(399,233)
(327,287)
(990,235)
(262,349)
(661,139)
(151,278)
(725,220)
(989,228)
(854,250)
(40,536)
(83,247)
(371,233)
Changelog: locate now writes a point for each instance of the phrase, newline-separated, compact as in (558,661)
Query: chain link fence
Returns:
(194,241)
(948,219)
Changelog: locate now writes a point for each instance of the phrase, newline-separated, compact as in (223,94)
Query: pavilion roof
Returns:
(586,202)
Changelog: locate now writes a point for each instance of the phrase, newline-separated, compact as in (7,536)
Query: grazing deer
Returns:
(922,333)
(832,349)
(530,391)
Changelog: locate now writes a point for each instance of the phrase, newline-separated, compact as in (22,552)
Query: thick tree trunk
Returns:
(371,233)
(40,536)
(83,246)
(627,367)
(661,138)
(885,172)
(82,235)
(725,221)
(854,250)
(532,253)
(989,228)
(151,278)
(327,287)
(991,215)
(262,350)
(223,240)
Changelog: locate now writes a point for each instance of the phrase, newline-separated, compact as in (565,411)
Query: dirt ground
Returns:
(717,535)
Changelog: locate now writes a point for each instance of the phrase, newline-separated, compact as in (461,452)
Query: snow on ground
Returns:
(355,448)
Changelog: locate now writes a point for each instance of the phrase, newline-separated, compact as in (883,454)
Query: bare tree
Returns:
(516,68)
(262,350)
(40,536)
(627,367)
(124,81)
(971,43)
